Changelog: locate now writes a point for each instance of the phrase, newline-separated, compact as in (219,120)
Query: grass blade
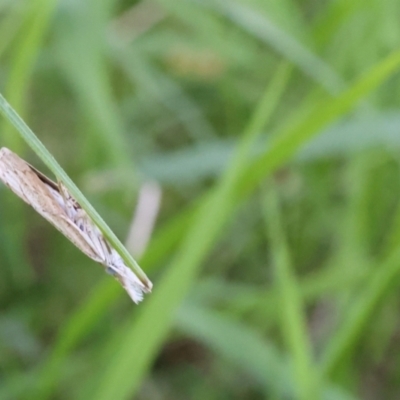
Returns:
(142,339)
(360,313)
(38,147)
(134,354)
(293,321)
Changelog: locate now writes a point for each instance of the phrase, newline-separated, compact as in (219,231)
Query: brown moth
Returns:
(53,202)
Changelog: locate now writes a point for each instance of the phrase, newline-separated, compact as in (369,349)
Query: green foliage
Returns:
(272,130)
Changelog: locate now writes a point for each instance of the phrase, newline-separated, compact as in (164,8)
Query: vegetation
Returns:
(272,131)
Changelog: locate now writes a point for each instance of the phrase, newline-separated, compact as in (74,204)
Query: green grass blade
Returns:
(25,56)
(240,344)
(25,51)
(80,48)
(360,313)
(162,88)
(138,359)
(293,325)
(141,335)
(9,26)
(289,139)
(74,331)
(266,30)
(141,340)
(38,147)
(247,349)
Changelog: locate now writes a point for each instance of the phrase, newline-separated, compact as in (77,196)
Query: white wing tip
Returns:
(130,282)
(135,288)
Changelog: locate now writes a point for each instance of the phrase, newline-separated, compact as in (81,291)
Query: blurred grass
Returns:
(197,96)
(25,26)
(293,325)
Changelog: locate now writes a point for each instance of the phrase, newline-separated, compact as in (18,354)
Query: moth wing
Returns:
(127,278)
(26,184)
(18,176)
(56,205)
(79,238)
(84,224)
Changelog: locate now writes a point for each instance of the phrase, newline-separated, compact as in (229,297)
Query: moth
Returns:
(53,202)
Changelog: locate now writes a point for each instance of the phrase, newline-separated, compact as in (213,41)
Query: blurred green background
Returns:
(264,136)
